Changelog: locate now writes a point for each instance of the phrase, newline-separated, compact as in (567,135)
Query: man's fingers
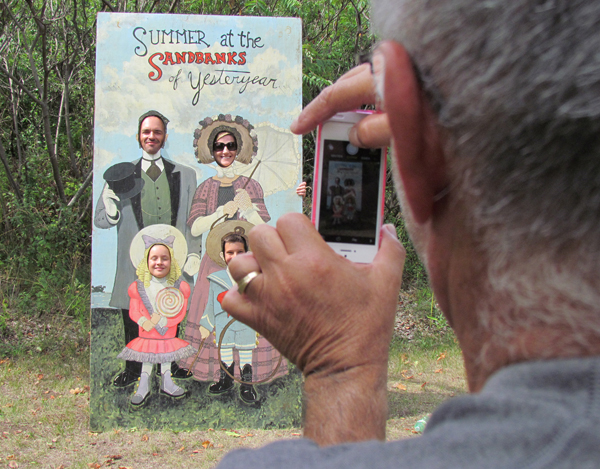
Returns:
(240,307)
(242,265)
(348,93)
(299,234)
(371,132)
(266,244)
(355,71)
(389,261)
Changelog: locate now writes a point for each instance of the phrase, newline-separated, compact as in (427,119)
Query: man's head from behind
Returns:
(505,95)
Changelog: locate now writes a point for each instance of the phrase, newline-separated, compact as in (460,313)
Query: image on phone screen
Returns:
(350,193)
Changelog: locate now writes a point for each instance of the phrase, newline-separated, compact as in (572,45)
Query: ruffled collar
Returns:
(230,171)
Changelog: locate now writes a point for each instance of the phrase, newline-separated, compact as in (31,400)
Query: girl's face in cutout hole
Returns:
(159,261)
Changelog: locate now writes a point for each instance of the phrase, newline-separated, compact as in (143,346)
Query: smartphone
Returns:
(349,190)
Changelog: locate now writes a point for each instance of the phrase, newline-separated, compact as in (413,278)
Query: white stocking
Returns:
(167,383)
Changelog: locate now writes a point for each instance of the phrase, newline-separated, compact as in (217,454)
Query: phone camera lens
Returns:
(351,149)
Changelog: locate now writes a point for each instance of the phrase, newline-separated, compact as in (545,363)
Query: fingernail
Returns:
(354,138)
(378,61)
(391,229)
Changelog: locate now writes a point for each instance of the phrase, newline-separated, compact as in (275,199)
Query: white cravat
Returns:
(147,159)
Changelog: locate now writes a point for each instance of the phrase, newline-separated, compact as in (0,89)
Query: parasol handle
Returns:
(196,357)
(217,221)
(251,174)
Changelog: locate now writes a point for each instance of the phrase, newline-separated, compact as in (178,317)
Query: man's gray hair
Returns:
(516,87)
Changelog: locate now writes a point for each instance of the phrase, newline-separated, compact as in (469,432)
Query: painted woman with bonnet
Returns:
(228,145)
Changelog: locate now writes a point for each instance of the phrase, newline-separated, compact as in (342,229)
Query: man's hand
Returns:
(350,92)
(325,313)
(110,199)
(331,317)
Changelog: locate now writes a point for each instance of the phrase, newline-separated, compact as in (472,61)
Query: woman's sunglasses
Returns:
(220,146)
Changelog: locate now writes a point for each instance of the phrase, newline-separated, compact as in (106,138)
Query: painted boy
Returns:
(237,335)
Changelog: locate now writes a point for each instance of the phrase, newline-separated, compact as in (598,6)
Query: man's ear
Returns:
(137,137)
(165,140)
(222,256)
(418,152)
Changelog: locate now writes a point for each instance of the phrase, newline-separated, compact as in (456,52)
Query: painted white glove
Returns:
(192,265)
(110,199)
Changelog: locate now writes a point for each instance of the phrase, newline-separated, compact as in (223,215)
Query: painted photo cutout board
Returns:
(192,149)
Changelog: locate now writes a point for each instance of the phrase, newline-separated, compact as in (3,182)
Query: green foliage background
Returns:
(47,54)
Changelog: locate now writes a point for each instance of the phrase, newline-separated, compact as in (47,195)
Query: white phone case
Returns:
(349,190)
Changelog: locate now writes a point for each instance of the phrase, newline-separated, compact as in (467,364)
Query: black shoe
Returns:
(225,382)
(125,378)
(178,372)
(247,392)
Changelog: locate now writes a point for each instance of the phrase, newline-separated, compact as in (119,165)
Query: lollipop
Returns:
(169,302)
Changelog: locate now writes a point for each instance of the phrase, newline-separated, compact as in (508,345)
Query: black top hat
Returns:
(121,179)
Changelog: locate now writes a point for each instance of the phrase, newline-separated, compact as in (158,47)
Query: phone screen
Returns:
(349,193)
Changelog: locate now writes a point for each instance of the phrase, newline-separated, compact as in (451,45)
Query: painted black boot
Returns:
(176,371)
(225,381)
(247,392)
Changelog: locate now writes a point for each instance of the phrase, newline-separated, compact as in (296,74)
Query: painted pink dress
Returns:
(338,213)
(206,367)
(160,344)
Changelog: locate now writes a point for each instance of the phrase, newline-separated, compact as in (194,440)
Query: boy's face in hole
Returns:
(231,250)
(159,261)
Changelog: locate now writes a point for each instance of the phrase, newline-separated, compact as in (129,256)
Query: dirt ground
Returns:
(45,391)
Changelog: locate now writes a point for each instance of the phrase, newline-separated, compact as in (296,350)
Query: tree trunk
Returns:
(43,97)
(13,183)
(74,168)
(14,102)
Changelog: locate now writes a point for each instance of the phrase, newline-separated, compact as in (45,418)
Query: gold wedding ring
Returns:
(243,284)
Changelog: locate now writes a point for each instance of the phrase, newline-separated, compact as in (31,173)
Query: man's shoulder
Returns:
(537,414)
(175,166)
